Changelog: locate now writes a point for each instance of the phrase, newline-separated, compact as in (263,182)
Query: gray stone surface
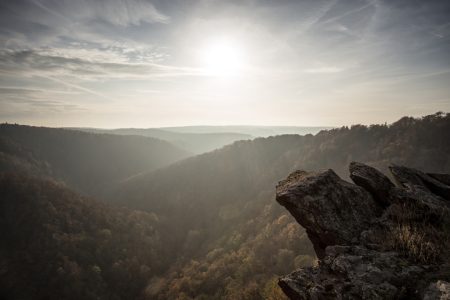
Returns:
(405,177)
(409,177)
(419,188)
(333,211)
(438,291)
(372,180)
(418,196)
(351,272)
(444,178)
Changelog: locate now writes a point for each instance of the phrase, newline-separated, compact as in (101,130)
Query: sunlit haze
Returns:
(222,58)
(139,63)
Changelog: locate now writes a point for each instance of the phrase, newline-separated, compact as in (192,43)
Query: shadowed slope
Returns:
(86,162)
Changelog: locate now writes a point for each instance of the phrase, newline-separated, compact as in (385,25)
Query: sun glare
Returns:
(222,59)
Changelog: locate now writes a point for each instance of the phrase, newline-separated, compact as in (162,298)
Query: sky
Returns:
(140,63)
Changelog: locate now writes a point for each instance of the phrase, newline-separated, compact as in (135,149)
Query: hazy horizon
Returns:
(152,64)
(170,127)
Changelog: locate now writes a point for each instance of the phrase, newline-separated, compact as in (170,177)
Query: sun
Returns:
(222,58)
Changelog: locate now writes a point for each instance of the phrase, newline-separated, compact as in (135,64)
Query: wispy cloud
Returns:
(34,100)
(313,18)
(26,24)
(125,12)
(117,12)
(350,12)
(430,32)
(18,91)
(80,88)
(37,3)
(15,90)
(324,70)
(33,63)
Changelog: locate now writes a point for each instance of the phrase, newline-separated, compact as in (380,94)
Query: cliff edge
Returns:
(373,240)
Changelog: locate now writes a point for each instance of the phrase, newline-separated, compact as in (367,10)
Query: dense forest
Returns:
(85,162)
(209,225)
(57,244)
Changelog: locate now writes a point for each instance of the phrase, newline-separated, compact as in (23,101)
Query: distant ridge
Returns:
(196,143)
(257,131)
(82,161)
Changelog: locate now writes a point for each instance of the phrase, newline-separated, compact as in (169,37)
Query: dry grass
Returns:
(420,235)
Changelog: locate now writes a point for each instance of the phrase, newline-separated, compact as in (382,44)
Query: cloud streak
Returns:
(430,32)
(325,70)
(32,100)
(350,12)
(118,12)
(125,12)
(80,88)
(313,18)
(33,63)
(37,3)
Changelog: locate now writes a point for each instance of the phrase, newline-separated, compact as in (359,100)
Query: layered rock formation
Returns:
(342,221)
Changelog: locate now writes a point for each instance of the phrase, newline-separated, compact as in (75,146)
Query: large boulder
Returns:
(333,211)
(372,180)
(418,187)
(413,179)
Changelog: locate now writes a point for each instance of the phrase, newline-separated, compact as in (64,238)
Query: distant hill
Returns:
(86,162)
(257,131)
(196,143)
(56,244)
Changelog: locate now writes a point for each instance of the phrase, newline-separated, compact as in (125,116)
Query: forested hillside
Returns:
(210,229)
(196,143)
(215,203)
(55,244)
(86,162)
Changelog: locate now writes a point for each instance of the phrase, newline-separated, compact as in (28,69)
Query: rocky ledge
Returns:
(344,222)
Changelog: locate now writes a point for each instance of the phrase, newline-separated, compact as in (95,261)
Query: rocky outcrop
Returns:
(333,211)
(351,272)
(415,186)
(340,219)
(372,180)
(411,178)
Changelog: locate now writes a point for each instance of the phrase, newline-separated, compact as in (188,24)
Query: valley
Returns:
(93,215)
